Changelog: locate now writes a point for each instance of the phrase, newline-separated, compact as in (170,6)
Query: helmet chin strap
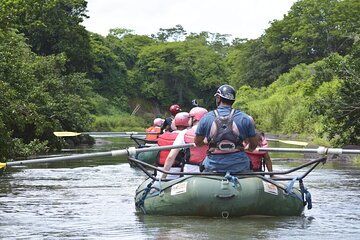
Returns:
(217,100)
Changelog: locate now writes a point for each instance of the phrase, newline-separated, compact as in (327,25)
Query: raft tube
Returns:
(217,196)
(150,157)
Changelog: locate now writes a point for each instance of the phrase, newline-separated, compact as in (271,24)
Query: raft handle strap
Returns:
(140,203)
(306,196)
(232,179)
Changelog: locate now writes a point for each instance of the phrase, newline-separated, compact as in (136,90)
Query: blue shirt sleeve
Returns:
(204,124)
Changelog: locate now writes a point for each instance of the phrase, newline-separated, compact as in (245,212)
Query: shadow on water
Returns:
(94,199)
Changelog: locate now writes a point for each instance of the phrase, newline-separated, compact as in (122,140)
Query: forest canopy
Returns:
(301,76)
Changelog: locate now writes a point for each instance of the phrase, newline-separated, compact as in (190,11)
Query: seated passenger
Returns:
(224,130)
(260,159)
(181,121)
(155,128)
(195,155)
(169,125)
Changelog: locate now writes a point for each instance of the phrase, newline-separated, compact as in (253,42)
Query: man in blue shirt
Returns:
(224,130)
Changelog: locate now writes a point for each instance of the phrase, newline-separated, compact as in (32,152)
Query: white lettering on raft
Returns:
(270,188)
(178,188)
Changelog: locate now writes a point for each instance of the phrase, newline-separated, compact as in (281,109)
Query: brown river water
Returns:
(94,199)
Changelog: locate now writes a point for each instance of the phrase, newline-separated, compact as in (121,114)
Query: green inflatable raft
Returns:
(150,157)
(218,196)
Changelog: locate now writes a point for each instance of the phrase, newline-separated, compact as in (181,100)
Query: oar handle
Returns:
(65,158)
(319,150)
(129,151)
(102,134)
(133,151)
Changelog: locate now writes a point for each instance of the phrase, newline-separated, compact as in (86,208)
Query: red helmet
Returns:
(158,122)
(174,109)
(182,119)
(197,113)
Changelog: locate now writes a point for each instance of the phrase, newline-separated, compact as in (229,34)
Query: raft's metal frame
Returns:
(143,166)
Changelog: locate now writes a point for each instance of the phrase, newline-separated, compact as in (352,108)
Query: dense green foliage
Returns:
(320,99)
(37,96)
(300,76)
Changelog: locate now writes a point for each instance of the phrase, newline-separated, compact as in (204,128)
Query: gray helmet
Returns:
(226,92)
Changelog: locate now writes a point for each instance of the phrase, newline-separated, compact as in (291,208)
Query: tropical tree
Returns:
(312,30)
(51,27)
(337,100)
(37,97)
(180,71)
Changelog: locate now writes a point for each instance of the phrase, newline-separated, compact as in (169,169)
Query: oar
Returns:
(103,134)
(319,150)
(132,151)
(288,142)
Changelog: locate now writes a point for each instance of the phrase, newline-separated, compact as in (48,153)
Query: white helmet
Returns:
(158,122)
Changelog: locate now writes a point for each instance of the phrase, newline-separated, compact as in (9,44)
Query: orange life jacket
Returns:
(197,154)
(153,129)
(167,139)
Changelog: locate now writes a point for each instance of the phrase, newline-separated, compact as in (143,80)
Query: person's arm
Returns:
(268,162)
(170,161)
(199,141)
(253,142)
(200,133)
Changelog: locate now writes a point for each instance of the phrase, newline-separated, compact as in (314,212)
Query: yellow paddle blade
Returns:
(2,165)
(294,142)
(66,134)
(288,142)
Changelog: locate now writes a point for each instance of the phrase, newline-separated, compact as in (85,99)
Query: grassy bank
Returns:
(120,122)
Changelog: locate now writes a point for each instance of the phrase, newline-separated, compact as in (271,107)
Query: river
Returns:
(94,199)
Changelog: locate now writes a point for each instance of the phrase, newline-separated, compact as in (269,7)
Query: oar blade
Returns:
(299,143)
(292,142)
(2,165)
(66,134)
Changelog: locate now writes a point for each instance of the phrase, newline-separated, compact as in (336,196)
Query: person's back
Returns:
(226,149)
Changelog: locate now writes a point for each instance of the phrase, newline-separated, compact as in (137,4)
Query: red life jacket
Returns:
(257,157)
(154,130)
(197,154)
(167,139)
(256,160)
